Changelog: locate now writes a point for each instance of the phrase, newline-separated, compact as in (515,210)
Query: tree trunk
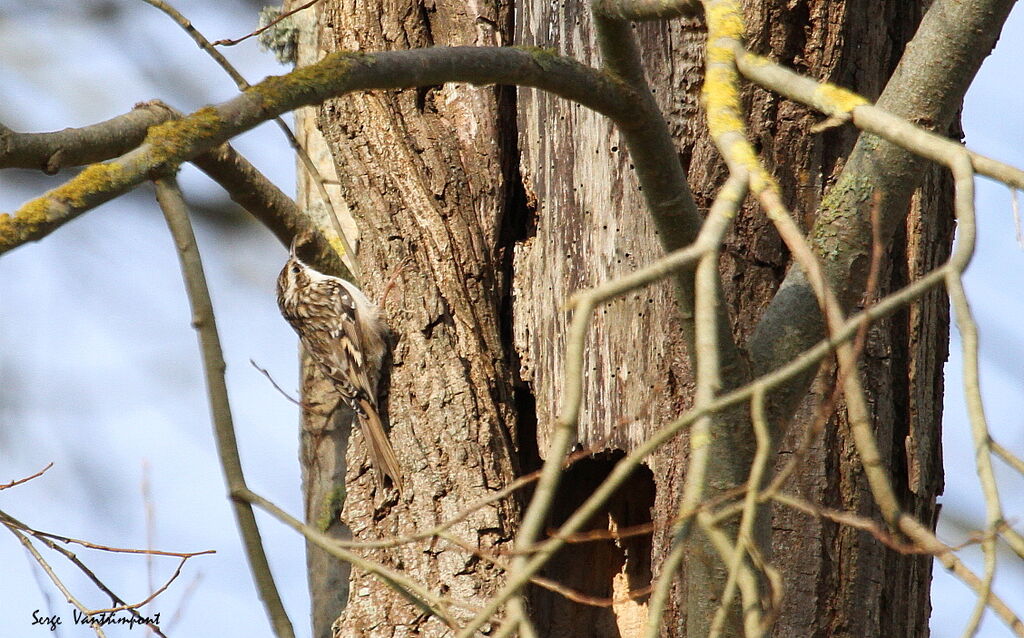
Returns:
(504,207)
(427,175)
(592,227)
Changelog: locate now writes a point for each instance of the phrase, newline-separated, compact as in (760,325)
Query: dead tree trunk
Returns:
(505,204)
(591,226)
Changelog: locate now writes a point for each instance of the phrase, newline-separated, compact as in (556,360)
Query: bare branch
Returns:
(839,102)
(639,10)
(244,183)
(254,192)
(663,183)
(972,394)
(173,206)
(15,482)
(284,14)
(346,251)
(50,152)
(1008,457)
(414,592)
(709,382)
(745,537)
(928,86)
(53,577)
(47,539)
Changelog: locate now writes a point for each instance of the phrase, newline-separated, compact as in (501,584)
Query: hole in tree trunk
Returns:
(607,568)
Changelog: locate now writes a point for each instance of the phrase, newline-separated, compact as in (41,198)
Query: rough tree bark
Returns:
(427,174)
(507,204)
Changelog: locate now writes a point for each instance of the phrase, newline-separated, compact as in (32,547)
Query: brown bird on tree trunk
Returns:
(343,332)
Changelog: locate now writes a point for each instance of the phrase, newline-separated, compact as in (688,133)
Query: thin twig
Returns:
(1009,457)
(285,14)
(825,409)
(13,523)
(745,536)
(15,482)
(972,390)
(6,519)
(849,519)
(724,209)
(467,511)
(425,600)
(148,599)
(551,585)
(53,577)
(305,406)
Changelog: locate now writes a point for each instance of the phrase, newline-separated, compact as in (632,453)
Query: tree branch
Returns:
(640,10)
(244,183)
(253,191)
(927,87)
(844,105)
(169,144)
(414,592)
(664,184)
(703,431)
(344,249)
(173,206)
(50,152)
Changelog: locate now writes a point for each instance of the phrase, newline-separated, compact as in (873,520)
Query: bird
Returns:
(343,332)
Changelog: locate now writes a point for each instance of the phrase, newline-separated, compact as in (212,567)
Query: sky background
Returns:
(100,372)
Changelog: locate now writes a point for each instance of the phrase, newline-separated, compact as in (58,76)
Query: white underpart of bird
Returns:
(344,334)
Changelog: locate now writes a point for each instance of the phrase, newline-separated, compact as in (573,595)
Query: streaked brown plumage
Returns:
(343,332)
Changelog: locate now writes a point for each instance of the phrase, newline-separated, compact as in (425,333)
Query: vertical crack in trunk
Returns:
(518,225)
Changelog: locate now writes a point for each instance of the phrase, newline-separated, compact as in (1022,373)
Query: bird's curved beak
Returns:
(295,244)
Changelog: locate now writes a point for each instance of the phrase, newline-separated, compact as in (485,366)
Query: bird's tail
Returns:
(382,455)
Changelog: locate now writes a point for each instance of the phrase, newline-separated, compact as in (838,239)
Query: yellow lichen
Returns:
(741,151)
(336,244)
(287,90)
(700,440)
(722,97)
(838,100)
(14,229)
(96,178)
(334,501)
(544,57)
(724,20)
(36,214)
(172,140)
(32,213)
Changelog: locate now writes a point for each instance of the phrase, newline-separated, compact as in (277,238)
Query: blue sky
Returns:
(101,373)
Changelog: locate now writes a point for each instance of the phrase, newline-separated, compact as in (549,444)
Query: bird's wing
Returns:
(349,368)
(342,354)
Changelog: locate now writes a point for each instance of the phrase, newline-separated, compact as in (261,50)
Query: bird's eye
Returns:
(296,268)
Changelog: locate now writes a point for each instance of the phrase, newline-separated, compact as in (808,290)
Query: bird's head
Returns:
(293,278)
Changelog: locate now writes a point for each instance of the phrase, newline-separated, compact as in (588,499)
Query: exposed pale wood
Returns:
(590,226)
